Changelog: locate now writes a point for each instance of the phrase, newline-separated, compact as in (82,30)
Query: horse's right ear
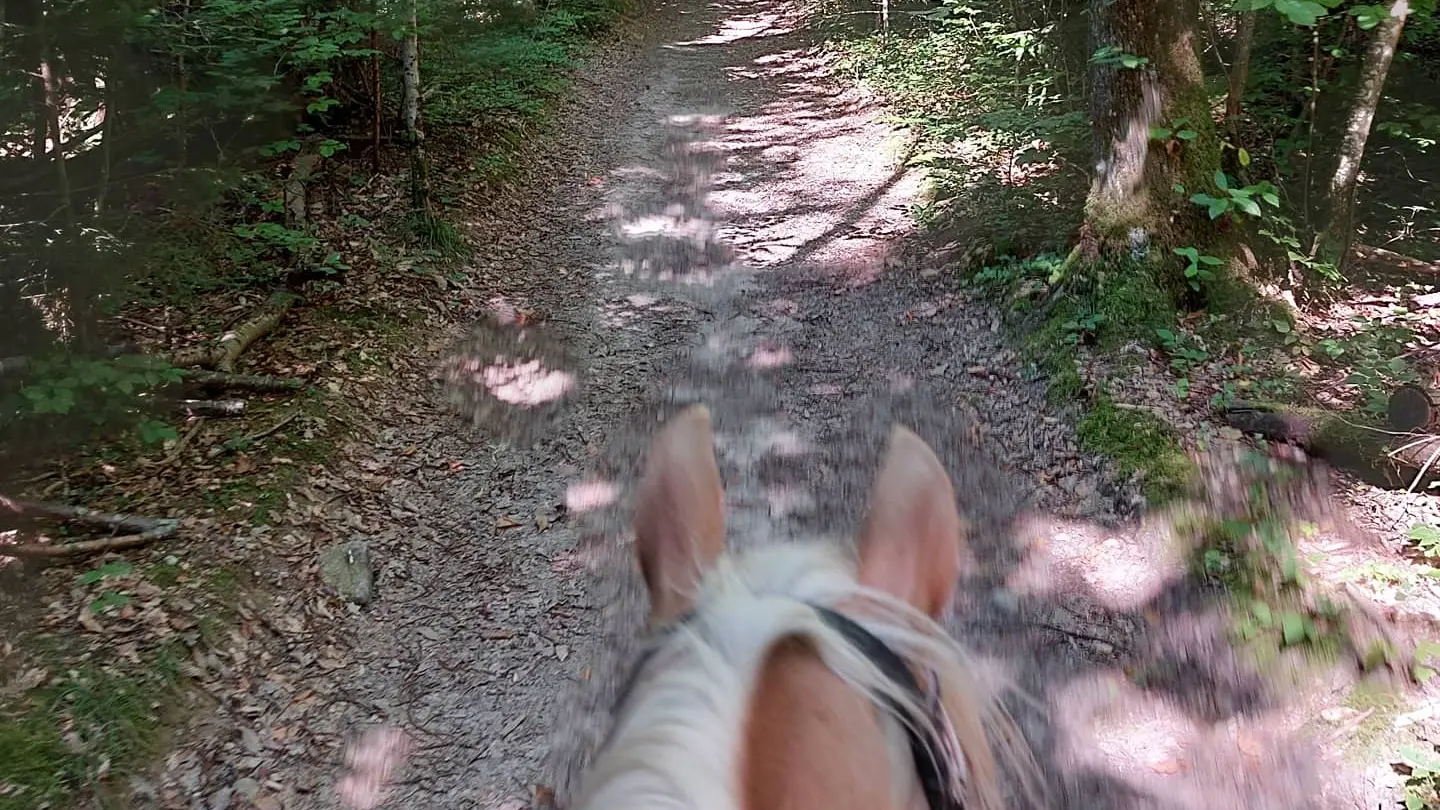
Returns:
(910,545)
(679,514)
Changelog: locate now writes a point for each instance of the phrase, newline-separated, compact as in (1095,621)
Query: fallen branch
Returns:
(1411,408)
(1388,261)
(80,514)
(232,344)
(174,454)
(255,437)
(86,547)
(262,323)
(287,419)
(1381,457)
(259,383)
(211,407)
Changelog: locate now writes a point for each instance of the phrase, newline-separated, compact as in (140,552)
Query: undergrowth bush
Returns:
(483,73)
(1001,139)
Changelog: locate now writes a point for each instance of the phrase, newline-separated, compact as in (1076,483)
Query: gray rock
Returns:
(142,788)
(346,568)
(247,787)
(220,799)
(1006,600)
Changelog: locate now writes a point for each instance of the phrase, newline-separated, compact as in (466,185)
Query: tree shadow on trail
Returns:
(1141,699)
(1140,702)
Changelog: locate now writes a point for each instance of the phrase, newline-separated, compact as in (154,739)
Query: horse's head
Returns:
(792,676)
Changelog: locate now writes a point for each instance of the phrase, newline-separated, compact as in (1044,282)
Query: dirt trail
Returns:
(728,230)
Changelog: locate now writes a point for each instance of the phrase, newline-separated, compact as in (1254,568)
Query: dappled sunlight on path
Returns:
(744,245)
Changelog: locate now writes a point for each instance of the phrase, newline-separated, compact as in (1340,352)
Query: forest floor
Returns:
(719,220)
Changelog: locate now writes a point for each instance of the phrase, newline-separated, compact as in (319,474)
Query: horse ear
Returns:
(679,517)
(910,545)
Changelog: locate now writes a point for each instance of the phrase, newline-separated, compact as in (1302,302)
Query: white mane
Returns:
(677,743)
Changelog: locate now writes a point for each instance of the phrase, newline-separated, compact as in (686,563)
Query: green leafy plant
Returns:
(1298,12)
(1184,354)
(1197,269)
(1368,16)
(1180,129)
(99,391)
(1237,199)
(108,598)
(1282,233)
(1082,328)
(1426,539)
(1113,56)
(110,570)
(1422,786)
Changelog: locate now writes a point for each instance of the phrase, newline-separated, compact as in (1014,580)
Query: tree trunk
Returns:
(1333,241)
(51,83)
(410,110)
(22,23)
(1240,67)
(379,106)
(1134,198)
(107,140)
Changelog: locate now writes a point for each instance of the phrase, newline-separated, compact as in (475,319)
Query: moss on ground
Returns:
(90,721)
(1138,443)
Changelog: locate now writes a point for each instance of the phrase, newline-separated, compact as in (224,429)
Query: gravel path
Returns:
(727,226)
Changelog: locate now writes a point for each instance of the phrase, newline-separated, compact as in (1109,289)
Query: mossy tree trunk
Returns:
(1139,200)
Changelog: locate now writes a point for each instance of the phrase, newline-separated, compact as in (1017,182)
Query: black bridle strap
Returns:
(931,766)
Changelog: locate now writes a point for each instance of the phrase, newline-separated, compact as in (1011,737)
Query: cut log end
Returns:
(1411,407)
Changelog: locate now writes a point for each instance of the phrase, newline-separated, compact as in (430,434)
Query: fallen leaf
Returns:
(1169,766)
(89,622)
(30,679)
(1337,714)
(1248,745)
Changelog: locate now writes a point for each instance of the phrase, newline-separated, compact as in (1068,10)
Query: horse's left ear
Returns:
(910,545)
(679,517)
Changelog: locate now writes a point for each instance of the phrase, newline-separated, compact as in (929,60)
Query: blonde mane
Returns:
(677,741)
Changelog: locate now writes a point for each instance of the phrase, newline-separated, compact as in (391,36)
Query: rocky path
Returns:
(725,225)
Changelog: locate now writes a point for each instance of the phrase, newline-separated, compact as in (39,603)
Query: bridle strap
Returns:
(931,765)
